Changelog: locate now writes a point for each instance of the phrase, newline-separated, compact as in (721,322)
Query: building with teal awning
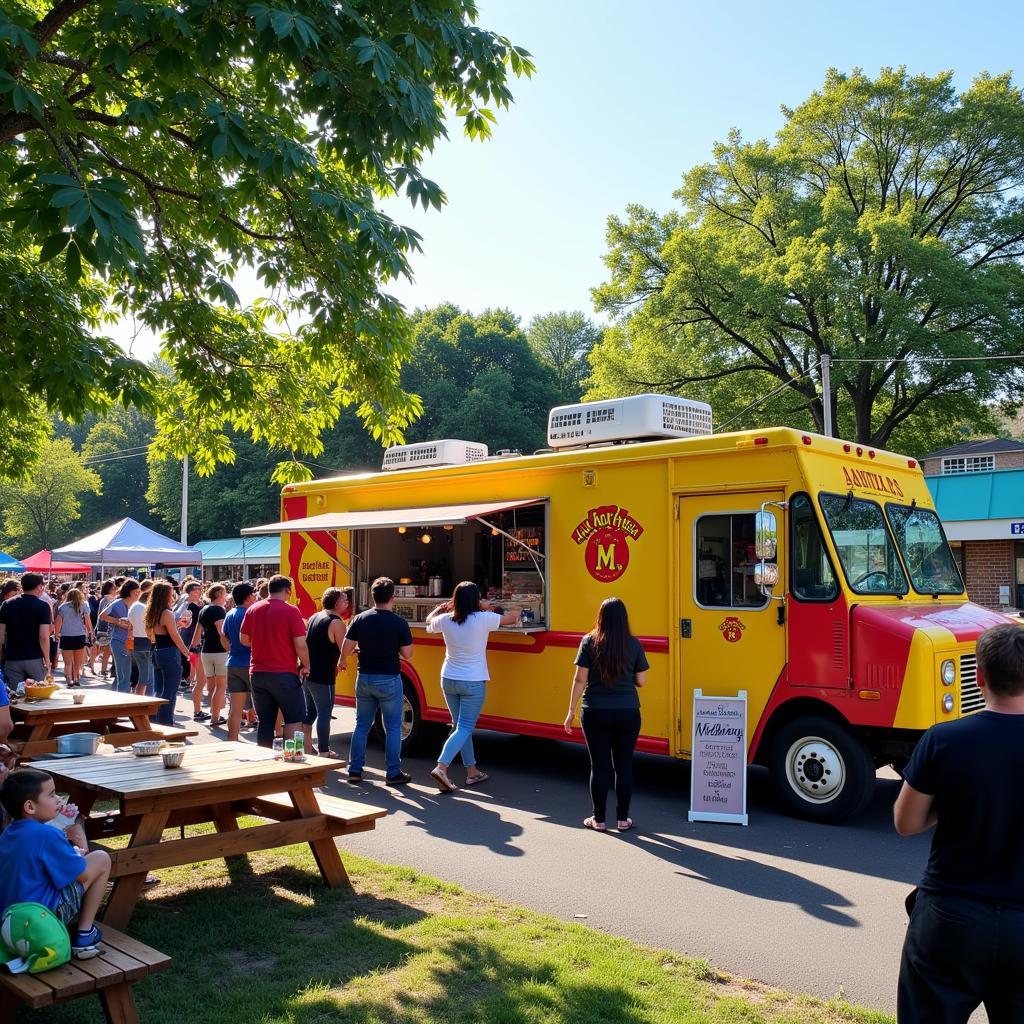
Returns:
(239,558)
(978,487)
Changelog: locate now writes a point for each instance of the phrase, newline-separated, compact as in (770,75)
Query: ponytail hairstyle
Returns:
(465,601)
(611,639)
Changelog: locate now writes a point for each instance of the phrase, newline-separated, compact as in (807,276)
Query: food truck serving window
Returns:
(503,551)
(925,551)
(866,551)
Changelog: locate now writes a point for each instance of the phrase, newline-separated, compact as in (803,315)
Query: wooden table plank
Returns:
(125,893)
(95,700)
(137,860)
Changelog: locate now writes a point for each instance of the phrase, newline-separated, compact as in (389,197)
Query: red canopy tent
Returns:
(42,561)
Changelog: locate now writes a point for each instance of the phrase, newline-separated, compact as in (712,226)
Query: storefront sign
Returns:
(1017,529)
(605,531)
(718,777)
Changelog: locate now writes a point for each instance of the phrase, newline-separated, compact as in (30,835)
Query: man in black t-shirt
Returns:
(25,628)
(384,641)
(965,941)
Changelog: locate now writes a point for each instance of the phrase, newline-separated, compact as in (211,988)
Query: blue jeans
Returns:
(142,655)
(372,692)
(122,666)
(167,674)
(319,706)
(465,698)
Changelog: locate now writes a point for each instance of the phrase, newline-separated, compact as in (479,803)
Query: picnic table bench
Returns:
(218,783)
(37,723)
(122,962)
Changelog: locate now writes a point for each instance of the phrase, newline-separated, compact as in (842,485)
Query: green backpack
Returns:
(32,939)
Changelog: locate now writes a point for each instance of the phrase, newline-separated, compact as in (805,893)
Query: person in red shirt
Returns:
(280,661)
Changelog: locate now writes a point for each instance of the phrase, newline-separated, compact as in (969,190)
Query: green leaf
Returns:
(66,196)
(53,246)
(73,264)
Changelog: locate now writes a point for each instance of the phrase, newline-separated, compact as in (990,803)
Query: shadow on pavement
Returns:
(548,779)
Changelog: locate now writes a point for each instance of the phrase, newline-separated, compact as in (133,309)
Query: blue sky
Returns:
(628,96)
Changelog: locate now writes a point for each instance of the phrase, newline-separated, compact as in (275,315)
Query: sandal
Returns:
(475,780)
(332,755)
(443,783)
(625,825)
(594,826)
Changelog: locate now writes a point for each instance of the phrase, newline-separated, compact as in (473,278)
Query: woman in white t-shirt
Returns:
(465,622)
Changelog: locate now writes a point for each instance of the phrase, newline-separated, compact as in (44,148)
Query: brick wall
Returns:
(1003,460)
(989,564)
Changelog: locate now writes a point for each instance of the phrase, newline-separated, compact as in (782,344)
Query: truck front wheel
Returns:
(820,770)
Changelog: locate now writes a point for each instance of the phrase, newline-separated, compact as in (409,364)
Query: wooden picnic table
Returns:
(217,783)
(37,723)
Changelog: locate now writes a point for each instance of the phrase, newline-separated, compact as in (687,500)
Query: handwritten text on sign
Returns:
(718,787)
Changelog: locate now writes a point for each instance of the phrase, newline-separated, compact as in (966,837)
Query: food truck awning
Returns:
(433,515)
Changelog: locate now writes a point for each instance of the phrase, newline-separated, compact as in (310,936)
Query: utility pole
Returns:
(184,500)
(826,393)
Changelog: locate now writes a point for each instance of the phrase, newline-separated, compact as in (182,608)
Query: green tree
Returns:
(479,379)
(115,448)
(38,513)
(884,227)
(220,505)
(155,150)
(564,341)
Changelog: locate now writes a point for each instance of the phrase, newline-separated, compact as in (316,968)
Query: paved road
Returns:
(811,908)
(807,907)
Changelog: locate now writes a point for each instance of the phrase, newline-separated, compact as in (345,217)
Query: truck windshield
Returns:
(864,545)
(925,551)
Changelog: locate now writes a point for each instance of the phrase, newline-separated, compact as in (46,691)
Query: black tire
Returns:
(415,731)
(820,770)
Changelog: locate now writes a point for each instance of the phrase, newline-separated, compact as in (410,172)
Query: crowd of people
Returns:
(252,651)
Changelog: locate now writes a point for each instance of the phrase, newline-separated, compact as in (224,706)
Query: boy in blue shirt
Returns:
(38,864)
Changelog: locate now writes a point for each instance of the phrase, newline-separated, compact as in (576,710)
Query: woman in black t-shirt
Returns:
(610,666)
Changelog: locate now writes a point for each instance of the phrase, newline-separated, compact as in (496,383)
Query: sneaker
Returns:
(218,721)
(399,780)
(355,776)
(200,716)
(86,944)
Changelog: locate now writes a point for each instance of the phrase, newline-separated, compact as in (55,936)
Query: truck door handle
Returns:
(686,628)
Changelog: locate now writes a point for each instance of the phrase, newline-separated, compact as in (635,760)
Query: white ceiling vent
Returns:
(627,419)
(434,453)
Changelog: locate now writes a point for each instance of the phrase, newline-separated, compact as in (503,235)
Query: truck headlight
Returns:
(947,703)
(948,672)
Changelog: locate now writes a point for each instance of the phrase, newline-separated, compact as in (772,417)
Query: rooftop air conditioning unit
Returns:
(433,453)
(627,419)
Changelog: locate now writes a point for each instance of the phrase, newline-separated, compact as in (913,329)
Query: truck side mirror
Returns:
(766,575)
(766,535)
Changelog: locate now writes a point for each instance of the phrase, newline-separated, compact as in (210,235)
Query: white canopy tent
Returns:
(127,542)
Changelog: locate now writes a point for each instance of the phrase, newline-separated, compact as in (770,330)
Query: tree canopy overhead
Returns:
(884,227)
(148,151)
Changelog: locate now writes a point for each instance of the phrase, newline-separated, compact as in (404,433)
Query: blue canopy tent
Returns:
(9,564)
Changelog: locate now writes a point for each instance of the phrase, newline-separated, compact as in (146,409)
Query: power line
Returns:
(764,398)
(928,359)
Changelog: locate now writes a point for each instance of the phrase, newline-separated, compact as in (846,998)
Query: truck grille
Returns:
(971,697)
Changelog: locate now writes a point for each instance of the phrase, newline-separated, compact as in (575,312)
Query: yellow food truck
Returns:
(811,572)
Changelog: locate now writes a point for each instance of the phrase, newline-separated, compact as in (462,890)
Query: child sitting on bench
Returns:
(39,863)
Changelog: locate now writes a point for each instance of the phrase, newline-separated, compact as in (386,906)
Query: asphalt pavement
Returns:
(810,908)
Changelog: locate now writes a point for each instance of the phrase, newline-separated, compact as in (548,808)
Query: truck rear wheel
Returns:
(414,728)
(820,770)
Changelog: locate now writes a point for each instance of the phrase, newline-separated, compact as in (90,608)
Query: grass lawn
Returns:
(268,944)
